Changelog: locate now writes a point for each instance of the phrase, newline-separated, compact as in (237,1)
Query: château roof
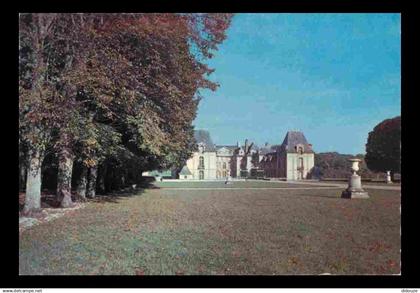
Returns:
(203,136)
(294,138)
(185,171)
(229,147)
(253,147)
(265,150)
(290,142)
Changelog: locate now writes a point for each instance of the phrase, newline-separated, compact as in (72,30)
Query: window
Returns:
(300,169)
(201,163)
(185,176)
(201,175)
(224,165)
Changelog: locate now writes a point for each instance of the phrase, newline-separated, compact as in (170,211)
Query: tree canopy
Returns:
(111,90)
(383,148)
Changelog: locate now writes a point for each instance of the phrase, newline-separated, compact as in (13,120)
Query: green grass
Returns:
(379,183)
(169,231)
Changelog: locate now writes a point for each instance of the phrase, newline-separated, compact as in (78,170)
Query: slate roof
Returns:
(269,157)
(203,136)
(229,147)
(276,147)
(292,139)
(264,150)
(253,147)
(185,171)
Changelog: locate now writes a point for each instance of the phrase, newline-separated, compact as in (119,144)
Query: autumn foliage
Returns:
(108,96)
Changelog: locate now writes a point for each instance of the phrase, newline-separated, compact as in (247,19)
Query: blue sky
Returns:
(332,76)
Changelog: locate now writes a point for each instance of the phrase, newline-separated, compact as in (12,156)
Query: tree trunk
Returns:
(392,176)
(33,183)
(122,180)
(65,168)
(91,187)
(82,183)
(22,170)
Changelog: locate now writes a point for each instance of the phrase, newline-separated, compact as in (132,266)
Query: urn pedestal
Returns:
(355,190)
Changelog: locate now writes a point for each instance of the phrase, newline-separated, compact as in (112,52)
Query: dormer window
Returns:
(299,149)
(200,147)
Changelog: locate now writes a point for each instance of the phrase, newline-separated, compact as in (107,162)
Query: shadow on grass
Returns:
(115,196)
(49,200)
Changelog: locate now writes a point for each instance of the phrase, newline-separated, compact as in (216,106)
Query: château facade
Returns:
(292,160)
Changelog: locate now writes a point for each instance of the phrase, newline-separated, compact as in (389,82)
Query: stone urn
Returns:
(355,190)
(388,177)
(355,165)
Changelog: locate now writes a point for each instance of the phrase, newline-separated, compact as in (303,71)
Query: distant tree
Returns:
(336,165)
(383,148)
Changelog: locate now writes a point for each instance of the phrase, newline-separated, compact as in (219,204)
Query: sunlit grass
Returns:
(169,231)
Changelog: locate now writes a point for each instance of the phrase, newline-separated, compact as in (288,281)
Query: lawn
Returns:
(231,184)
(222,231)
(367,183)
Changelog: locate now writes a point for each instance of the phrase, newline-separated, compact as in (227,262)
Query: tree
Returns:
(157,80)
(336,165)
(52,48)
(35,90)
(111,94)
(383,148)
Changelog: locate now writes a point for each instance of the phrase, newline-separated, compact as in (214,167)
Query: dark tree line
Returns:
(336,165)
